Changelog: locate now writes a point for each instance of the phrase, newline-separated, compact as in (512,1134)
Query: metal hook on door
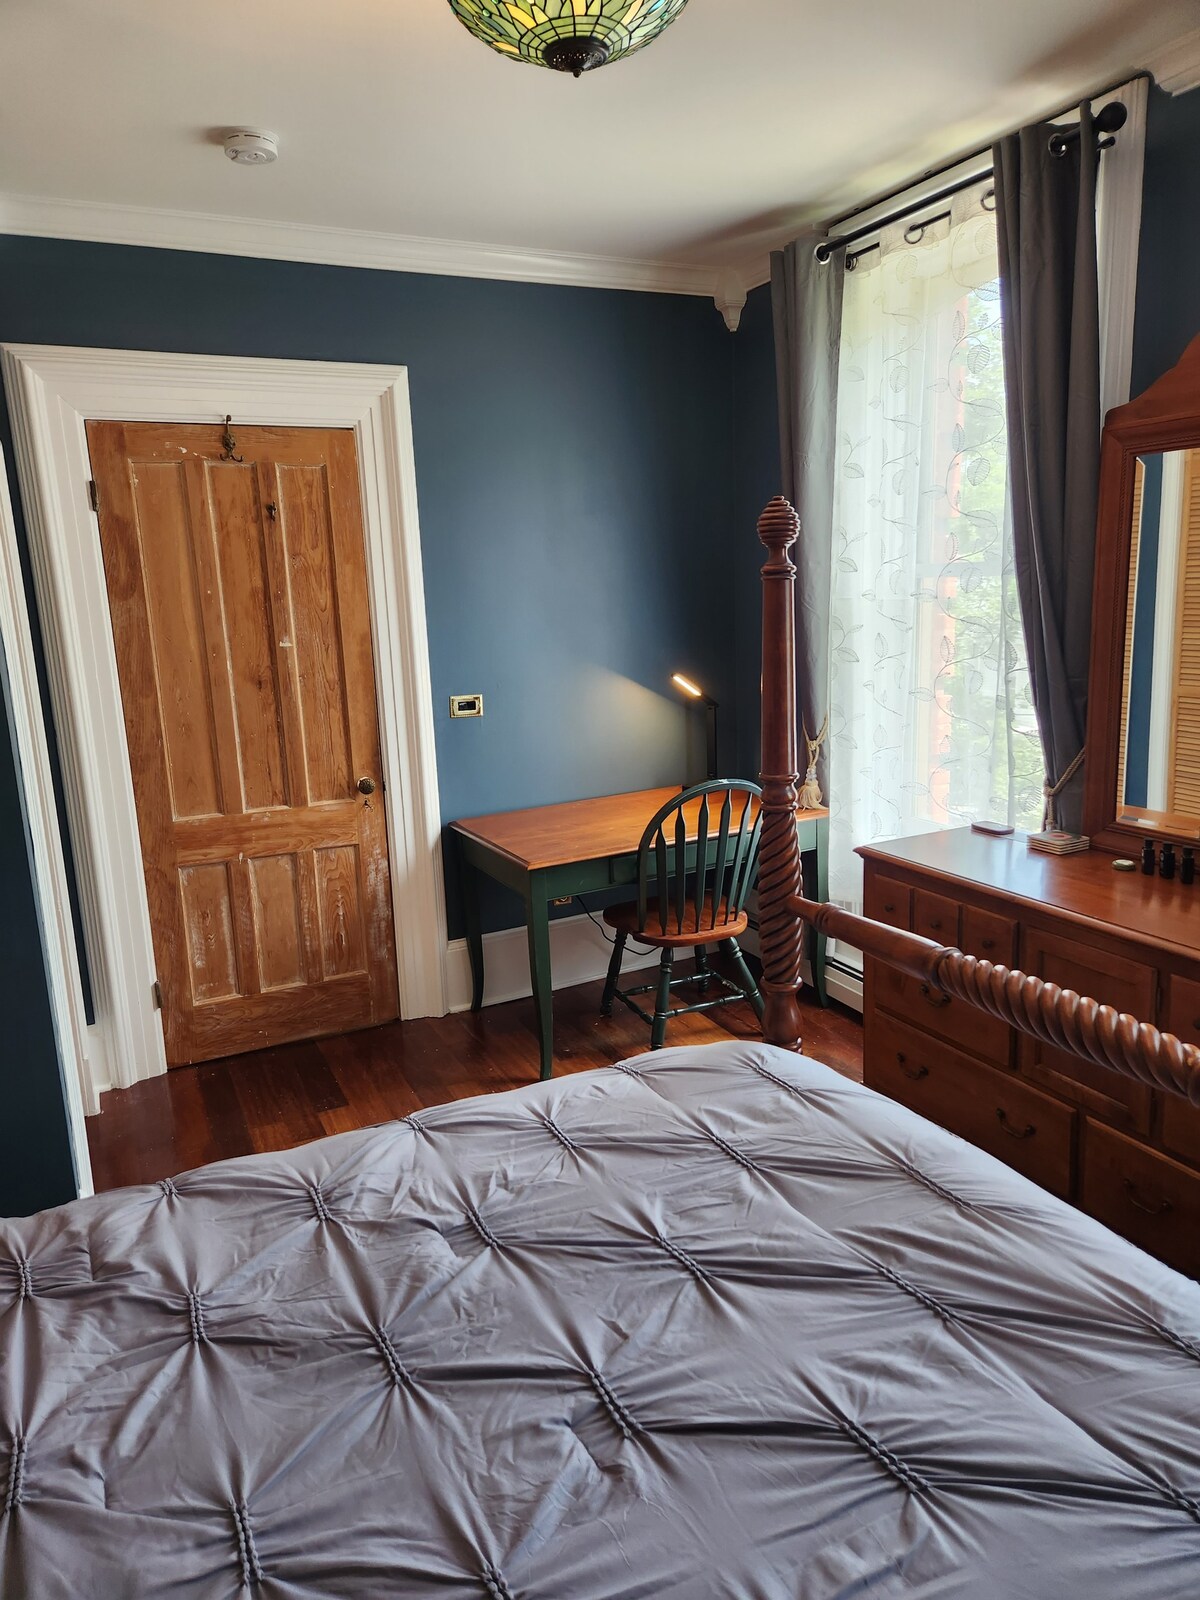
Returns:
(228,443)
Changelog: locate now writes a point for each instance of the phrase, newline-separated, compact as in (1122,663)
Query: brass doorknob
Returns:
(366,786)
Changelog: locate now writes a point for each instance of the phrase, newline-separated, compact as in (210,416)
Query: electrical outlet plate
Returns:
(466,705)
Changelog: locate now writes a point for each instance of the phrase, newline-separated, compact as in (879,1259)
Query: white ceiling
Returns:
(743,119)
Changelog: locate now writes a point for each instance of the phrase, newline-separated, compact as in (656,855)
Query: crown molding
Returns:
(345,247)
(1176,66)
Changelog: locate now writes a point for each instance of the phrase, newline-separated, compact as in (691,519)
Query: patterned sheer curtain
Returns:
(931,724)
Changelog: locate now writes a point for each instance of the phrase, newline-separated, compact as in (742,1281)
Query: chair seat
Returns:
(624,919)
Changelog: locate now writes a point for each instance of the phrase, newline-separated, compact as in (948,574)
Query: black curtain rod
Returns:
(824,251)
(1108,119)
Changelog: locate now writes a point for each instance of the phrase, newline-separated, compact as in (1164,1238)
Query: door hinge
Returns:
(156,992)
(94,495)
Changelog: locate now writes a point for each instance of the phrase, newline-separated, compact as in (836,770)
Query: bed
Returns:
(711,1323)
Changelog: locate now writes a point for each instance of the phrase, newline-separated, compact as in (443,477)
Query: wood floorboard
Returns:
(286,1096)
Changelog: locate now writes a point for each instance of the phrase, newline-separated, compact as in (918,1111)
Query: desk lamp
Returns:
(695,692)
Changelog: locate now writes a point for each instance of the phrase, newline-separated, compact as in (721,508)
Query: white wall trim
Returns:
(579,953)
(342,247)
(1118,231)
(1176,66)
(58,934)
(52,392)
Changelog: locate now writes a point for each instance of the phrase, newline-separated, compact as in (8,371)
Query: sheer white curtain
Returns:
(931,724)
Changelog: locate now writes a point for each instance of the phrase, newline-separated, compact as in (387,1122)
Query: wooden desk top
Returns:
(580,830)
(1156,911)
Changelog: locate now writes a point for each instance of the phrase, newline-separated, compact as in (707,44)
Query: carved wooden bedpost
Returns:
(780,932)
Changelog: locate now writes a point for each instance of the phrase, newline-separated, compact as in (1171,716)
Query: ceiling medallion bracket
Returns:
(577,55)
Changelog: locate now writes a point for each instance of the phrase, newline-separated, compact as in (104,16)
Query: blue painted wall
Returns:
(36,1168)
(574,472)
(1168,291)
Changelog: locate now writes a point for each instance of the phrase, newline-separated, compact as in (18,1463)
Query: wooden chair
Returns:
(691,896)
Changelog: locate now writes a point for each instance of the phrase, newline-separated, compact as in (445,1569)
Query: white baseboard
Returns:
(579,953)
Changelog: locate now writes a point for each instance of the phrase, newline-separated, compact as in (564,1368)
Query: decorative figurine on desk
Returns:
(1148,857)
(1187,867)
(1166,862)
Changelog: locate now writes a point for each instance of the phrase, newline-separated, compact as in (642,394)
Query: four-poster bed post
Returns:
(780,932)
(1059,1016)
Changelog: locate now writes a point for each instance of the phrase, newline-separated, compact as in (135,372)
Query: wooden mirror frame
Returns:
(1166,417)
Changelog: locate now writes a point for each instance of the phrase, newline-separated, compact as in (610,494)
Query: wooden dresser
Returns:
(1128,1155)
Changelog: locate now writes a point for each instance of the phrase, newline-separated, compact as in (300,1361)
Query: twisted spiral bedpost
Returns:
(781,933)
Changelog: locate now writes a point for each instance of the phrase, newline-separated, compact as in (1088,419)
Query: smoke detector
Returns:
(251,147)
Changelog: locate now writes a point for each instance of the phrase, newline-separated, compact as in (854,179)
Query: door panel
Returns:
(239,602)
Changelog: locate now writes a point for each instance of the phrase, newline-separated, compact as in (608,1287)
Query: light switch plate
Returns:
(466,705)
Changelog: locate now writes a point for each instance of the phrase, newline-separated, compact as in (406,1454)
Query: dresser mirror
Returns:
(1158,768)
(1142,775)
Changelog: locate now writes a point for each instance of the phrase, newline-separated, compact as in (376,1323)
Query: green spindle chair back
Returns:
(669,890)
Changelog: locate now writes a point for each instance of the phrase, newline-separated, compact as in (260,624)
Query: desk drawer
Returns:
(1142,1195)
(1113,980)
(992,1109)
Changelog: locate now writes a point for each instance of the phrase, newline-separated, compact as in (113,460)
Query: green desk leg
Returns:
(537,919)
(470,878)
(821,894)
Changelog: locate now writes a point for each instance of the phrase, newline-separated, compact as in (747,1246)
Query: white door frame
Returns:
(52,393)
(49,865)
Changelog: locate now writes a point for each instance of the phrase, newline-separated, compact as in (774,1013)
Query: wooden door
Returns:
(239,603)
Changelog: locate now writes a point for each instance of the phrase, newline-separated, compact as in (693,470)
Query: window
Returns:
(931,724)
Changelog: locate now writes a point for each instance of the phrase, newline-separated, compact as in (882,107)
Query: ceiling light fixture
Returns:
(573,36)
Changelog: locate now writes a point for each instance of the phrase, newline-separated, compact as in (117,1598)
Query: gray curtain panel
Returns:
(1046,224)
(806,301)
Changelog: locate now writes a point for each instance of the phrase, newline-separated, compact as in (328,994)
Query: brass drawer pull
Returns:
(1027,1132)
(916,1074)
(1159,1210)
(935,997)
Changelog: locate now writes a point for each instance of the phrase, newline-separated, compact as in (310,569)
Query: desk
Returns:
(550,852)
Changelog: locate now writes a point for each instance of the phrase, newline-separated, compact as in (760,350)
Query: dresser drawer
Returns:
(989,936)
(1143,1195)
(926,1008)
(1181,1121)
(935,917)
(1182,1015)
(888,900)
(1113,980)
(994,1110)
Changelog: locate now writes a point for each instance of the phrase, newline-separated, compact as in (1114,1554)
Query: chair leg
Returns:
(702,969)
(742,973)
(614,972)
(662,1008)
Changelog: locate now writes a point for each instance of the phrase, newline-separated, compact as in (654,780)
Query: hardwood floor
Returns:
(287,1096)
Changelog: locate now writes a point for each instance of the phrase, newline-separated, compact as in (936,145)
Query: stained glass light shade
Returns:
(567,35)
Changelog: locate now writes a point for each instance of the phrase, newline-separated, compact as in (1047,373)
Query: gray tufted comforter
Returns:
(716,1323)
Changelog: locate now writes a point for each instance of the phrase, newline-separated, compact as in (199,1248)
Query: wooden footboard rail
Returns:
(1059,1016)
